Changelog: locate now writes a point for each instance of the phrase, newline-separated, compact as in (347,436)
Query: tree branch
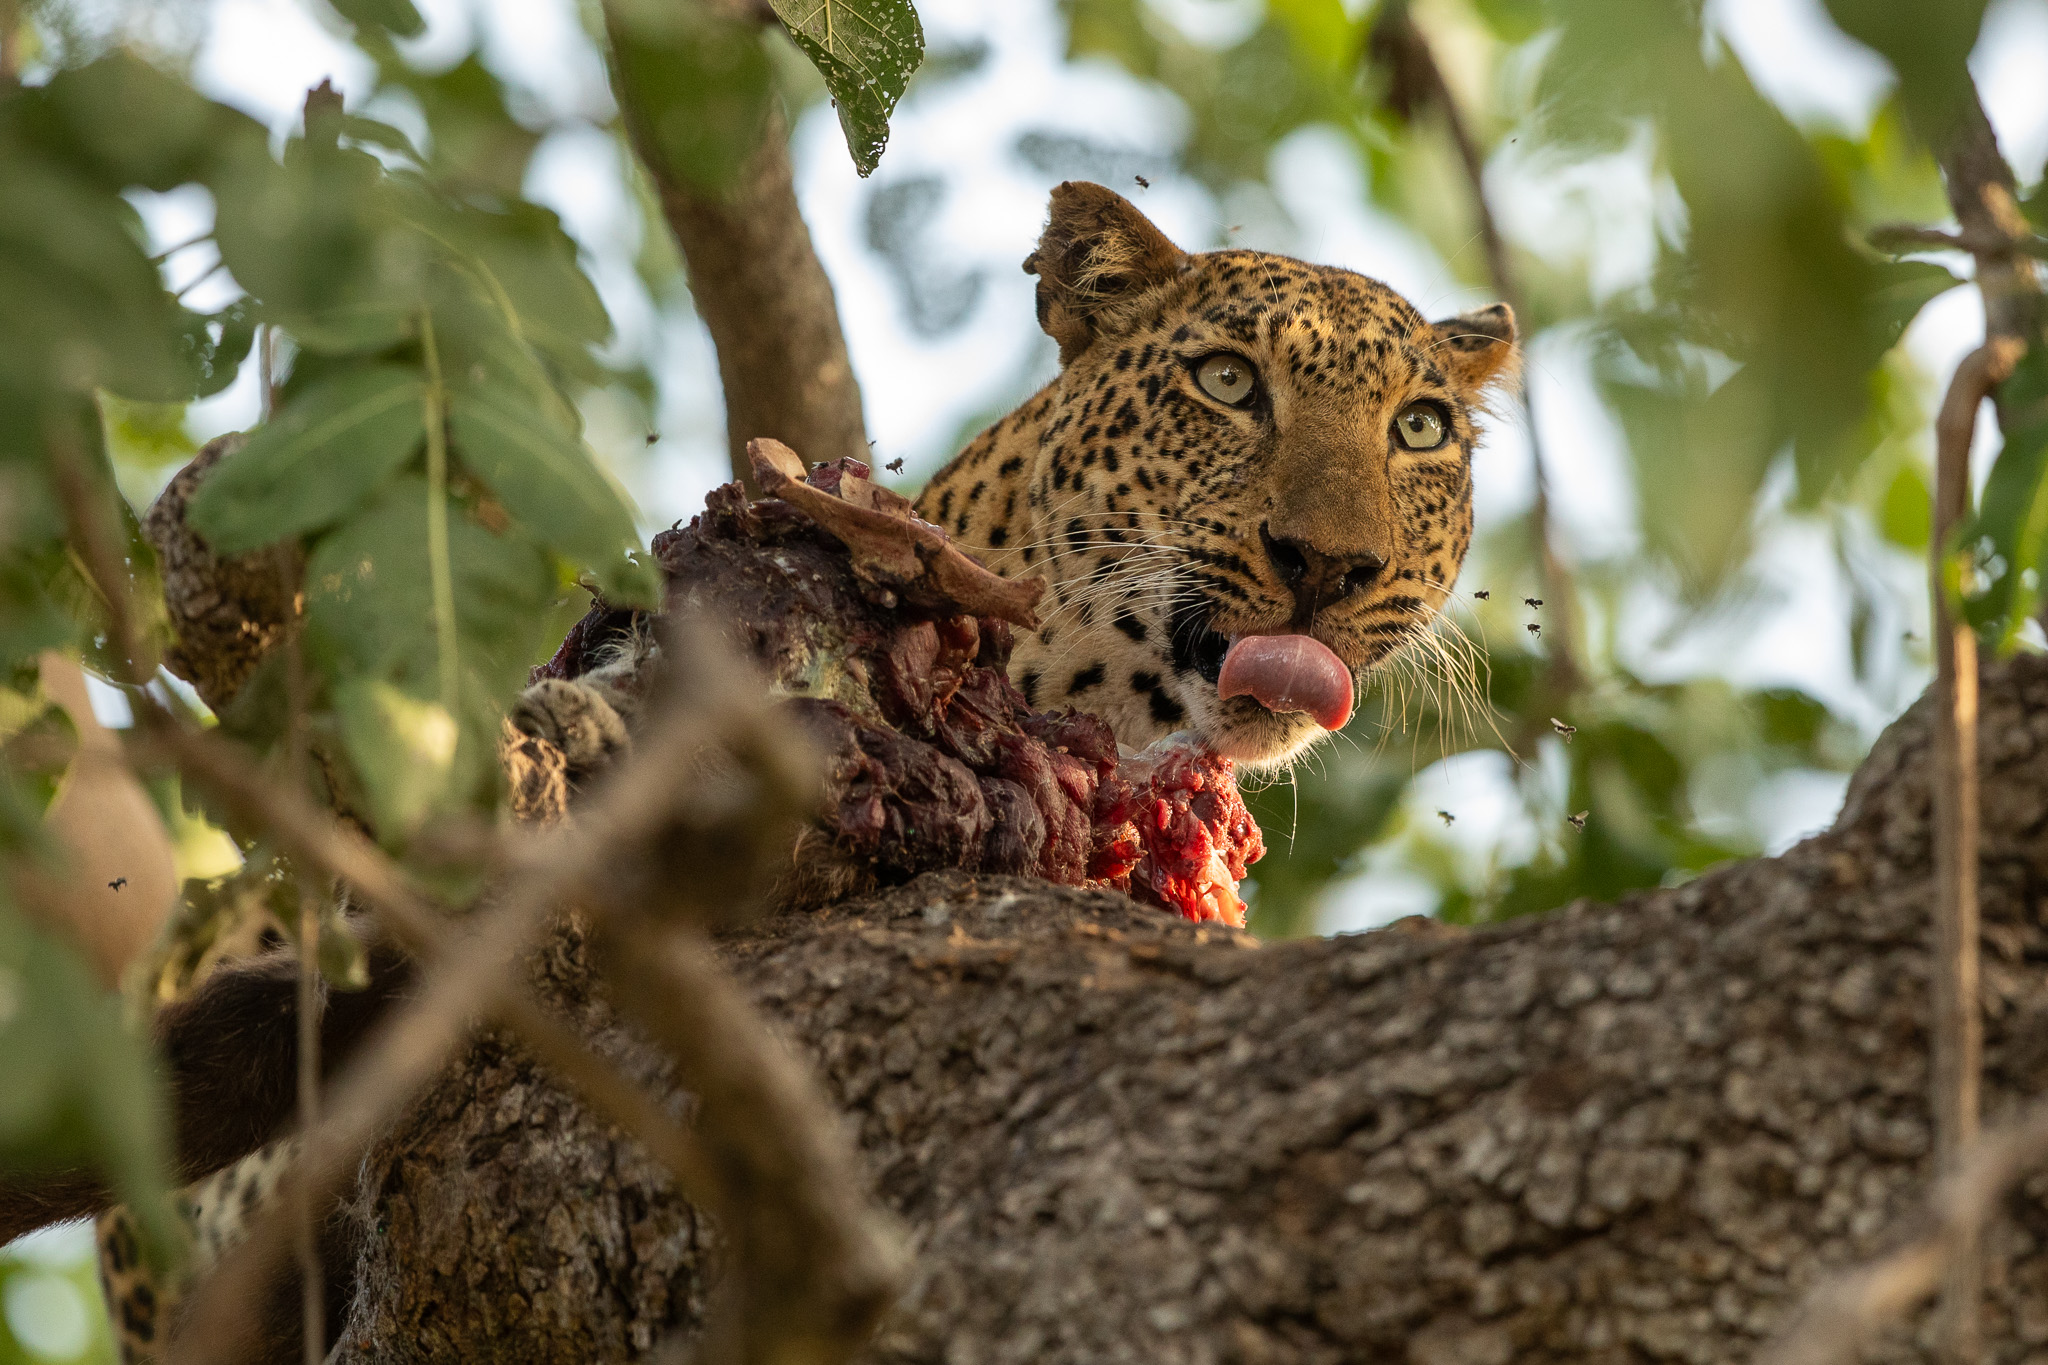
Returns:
(1417,82)
(763,294)
(1639,1131)
(1958,1013)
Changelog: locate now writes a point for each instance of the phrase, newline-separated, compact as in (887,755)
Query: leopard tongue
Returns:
(1288,673)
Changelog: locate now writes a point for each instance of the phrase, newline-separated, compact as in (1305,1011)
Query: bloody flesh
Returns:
(893,652)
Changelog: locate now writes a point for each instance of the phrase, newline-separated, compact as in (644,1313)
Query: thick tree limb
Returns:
(1628,1133)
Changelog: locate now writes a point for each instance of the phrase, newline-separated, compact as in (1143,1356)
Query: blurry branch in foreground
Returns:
(814,1264)
(1415,83)
(1844,1311)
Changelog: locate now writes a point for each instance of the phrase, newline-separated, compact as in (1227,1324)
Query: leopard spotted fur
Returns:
(1168,522)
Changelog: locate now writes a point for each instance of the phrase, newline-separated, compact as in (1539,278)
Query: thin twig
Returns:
(1419,81)
(1984,195)
(1958,1017)
(1901,238)
(1842,1312)
(575,863)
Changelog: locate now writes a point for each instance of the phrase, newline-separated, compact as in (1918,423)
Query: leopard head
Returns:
(1251,482)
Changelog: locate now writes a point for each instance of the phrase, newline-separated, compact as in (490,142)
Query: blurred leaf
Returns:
(84,307)
(1927,45)
(866,50)
(404,748)
(122,122)
(477,144)
(398,16)
(525,266)
(1907,514)
(377,133)
(1903,289)
(369,605)
(76,1087)
(1512,21)
(549,483)
(1323,33)
(330,449)
(319,240)
(699,85)
(2011,526)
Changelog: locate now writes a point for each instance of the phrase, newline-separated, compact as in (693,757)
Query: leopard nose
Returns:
(1316,577)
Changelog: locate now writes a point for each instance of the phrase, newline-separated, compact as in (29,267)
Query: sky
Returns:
(992,141)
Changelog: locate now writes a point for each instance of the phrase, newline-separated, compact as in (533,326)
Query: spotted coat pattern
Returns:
(1167,521)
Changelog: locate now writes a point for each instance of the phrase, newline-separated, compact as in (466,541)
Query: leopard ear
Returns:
(1479,348)
(1097,257)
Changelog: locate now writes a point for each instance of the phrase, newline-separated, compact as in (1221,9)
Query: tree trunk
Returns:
(1615,1133)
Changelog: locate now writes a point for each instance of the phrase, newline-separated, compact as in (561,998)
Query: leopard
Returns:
(1237,444)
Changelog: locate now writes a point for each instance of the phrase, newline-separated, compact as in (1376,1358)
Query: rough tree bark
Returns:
(1612,1134)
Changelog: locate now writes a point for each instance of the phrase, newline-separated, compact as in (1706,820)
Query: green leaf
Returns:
(1928,45)
(866,50)
(377,133)
(320,241)
(369,605)
(77,1087)
(398,16)
(1906,515)
(477,144)
(549,483)
(403,747)
(2013,520)
(125,123)
(314,463)
(1903,289)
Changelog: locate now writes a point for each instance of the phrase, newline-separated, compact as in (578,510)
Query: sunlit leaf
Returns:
(328,451)
(1907,514)
(866,50)
(404,748)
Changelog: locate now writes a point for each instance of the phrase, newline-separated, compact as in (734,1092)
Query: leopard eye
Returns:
(1227,379)
(1421,426)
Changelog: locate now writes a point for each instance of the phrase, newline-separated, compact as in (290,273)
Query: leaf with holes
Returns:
(866,50)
